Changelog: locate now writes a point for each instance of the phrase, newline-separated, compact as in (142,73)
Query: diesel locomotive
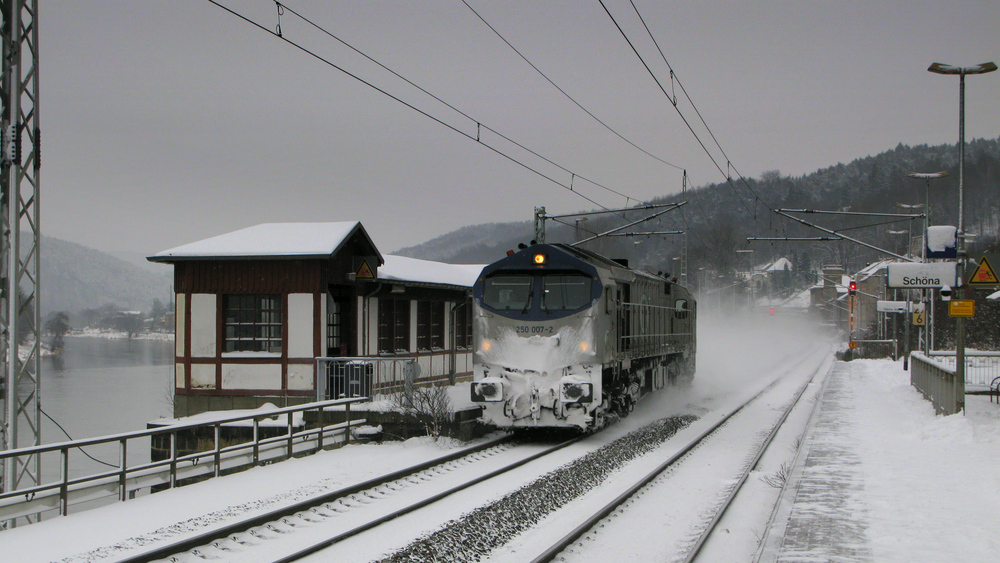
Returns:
(567,338)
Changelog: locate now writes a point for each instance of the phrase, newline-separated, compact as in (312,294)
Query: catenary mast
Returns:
(19,242)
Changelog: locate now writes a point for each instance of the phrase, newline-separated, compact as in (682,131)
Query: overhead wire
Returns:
(453,108)
(564,92)
(479,125)
(730,167)
(673,103)
(584,109)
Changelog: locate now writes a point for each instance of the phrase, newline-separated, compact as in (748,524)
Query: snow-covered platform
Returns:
(879,477)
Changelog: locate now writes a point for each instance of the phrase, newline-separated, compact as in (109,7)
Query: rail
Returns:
(126,480)
(341,377)
(981,368)
(936,381)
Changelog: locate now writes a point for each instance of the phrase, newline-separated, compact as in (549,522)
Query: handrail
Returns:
(180,426)
(57,494)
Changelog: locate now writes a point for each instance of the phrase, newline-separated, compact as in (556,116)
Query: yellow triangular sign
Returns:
(984,274)
(365,272)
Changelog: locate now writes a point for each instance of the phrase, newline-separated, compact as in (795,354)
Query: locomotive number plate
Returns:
(527,329)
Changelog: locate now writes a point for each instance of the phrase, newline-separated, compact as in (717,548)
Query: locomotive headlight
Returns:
(487,391)
(577,392)
(539,259)
(485,345)
(585,346)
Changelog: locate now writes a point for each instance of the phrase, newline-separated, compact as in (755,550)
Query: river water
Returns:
(101,386)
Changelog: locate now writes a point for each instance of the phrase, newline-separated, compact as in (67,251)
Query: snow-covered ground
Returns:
(931,485)
(119,334)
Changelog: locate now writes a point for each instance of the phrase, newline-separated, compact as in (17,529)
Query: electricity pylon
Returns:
(19,243)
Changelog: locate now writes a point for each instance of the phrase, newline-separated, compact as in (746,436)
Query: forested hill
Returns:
(719,217)
(75,278)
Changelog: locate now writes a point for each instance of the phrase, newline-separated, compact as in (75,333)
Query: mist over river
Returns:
(101,386)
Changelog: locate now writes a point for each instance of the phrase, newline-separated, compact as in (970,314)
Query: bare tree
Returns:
(431,406)
(57,326)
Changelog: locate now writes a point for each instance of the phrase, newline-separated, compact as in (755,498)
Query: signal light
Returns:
(853,288)
(539,259)
(772,310)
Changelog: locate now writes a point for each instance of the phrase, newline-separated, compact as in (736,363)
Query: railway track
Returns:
(482,531)
(571,548)
(228,541)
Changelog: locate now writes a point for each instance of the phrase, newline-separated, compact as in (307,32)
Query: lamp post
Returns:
(903,232)
(928,176)
(939,68)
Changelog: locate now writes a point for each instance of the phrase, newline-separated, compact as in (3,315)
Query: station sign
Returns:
(961,308)
(890,306)
(897,306)
(915,275)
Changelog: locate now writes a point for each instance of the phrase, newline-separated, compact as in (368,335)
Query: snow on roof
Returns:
(405,269)
(268,240)
(941,237)
(873,268)
(800,300)
(777,266)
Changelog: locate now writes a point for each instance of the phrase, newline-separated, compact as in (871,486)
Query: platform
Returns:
(879,477)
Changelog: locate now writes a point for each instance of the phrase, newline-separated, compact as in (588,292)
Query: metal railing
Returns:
(874,349)
(125,480)
(364,376)
(936,381)
(981,368)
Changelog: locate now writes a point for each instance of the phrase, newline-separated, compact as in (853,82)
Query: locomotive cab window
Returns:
(565,292)
(507,292)
(681,309)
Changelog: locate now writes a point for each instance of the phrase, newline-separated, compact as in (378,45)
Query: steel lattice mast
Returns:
(19,242)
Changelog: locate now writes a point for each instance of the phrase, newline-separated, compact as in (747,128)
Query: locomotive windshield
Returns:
(565,292)
(533,292)
(507,291)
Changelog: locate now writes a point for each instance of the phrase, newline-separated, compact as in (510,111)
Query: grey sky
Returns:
(168,122)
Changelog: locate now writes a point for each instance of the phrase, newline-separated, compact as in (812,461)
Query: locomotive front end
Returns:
(536,361)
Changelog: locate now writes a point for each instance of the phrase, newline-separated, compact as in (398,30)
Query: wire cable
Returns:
(479,124)
(566,94)
(673,103)
(71,439)
(694,106)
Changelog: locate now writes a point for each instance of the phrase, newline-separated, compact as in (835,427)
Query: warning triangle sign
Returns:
(365,272)
(984,274)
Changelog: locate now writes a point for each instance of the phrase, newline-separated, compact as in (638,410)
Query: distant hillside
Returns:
(719,217)
(75,278)
(475,244)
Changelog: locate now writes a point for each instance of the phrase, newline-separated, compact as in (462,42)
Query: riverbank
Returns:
(120,335)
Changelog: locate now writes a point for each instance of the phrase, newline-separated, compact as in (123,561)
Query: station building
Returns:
(259,311)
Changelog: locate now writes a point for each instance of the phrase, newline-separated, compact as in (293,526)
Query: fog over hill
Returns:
(719,217)
(75,278)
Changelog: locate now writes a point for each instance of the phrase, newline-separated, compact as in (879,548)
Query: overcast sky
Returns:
(168,122)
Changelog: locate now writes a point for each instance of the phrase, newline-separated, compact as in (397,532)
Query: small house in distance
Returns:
(261,311)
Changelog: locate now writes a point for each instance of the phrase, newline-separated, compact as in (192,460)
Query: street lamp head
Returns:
(939,68)
(927,175)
